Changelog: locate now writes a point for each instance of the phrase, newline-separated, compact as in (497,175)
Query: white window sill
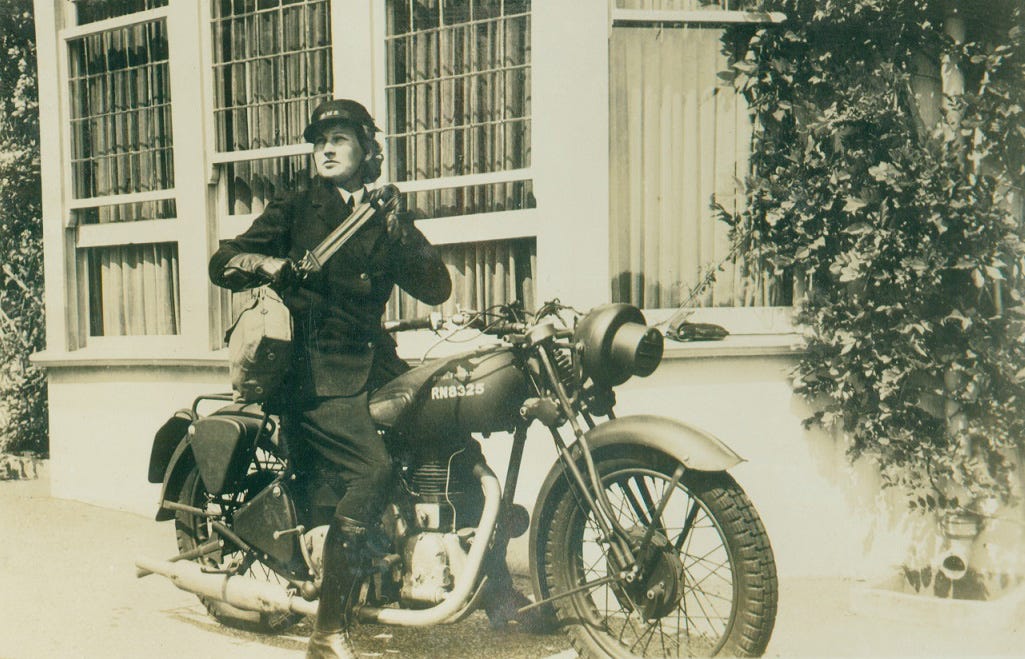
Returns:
(736,345)
(110,356)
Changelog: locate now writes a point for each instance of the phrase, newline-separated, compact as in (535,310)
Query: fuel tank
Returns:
(479,391)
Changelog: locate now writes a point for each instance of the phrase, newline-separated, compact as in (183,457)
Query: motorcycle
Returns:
(641,543)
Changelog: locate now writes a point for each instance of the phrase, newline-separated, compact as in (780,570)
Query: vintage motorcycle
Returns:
(640,543)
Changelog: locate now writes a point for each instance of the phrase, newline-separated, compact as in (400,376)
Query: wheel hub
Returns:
(658,588)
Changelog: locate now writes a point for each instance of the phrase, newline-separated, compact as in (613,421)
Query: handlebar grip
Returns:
(504,327)
(408,324)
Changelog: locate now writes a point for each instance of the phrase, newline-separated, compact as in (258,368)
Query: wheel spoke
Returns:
(641,514)
(685,531)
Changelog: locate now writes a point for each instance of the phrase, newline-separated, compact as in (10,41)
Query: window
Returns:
(458,138)
(679,137)
(122,174)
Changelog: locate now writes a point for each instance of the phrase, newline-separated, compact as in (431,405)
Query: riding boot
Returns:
(343,558)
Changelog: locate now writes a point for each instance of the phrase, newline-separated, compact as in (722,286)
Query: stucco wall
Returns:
(818,510)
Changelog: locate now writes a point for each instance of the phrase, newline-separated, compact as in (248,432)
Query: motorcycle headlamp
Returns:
(614,344)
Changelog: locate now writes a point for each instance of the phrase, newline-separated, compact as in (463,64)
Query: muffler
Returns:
(241,592)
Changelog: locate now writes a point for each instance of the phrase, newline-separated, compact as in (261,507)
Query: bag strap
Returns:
(315,259)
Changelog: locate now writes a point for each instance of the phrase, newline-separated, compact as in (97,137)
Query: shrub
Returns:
(905,232)
(23,406)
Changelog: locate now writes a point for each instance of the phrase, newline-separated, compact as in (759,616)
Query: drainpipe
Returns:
(960,529)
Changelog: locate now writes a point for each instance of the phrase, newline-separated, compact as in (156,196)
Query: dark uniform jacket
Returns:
(339,343)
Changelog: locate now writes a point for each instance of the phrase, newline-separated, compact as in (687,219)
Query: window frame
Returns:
(86,236)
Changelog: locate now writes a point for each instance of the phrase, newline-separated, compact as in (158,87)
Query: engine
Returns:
(434,524)
(426,531)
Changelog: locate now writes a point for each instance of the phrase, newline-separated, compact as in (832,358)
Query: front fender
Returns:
(696,449)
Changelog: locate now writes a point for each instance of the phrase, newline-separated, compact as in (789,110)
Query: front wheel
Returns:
(708,585)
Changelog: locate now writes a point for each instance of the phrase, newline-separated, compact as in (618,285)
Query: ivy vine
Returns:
(906,231)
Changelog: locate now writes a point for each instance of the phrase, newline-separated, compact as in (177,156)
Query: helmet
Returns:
(341,110)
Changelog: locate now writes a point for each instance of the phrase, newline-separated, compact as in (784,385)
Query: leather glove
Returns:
(399,227)
(384,194)
(262,269)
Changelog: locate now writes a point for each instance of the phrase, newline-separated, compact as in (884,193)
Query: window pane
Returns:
(678,137)
(133,289)
(458,90)
(272,67)
(90,11)
(483,274)
(121,139)
(252,184)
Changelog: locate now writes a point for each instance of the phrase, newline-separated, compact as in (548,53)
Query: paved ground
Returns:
(67,589)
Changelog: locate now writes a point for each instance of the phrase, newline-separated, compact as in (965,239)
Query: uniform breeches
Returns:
(350,457)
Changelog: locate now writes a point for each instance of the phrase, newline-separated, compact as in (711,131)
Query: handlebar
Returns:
(462,320)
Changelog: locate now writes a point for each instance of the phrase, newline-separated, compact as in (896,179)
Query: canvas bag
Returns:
(260,347)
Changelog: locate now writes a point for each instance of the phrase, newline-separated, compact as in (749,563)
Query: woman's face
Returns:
(338,156)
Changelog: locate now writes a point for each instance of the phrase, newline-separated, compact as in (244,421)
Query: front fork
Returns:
(590,488)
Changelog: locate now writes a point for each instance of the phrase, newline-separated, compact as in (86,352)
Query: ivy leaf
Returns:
(859,229)
(978,279)
(853,205)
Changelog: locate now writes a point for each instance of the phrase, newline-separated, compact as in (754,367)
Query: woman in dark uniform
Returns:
(341,351)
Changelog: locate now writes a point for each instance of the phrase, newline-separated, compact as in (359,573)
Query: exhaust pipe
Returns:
(252,595)
(241,592)
(462,592)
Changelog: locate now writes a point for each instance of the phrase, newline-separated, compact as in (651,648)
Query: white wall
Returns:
(818,510)
(102,423)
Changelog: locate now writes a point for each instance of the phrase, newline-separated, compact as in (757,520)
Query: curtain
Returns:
(458,91)
(483,274)
(133,290)
(272,67)
(678,138)
(252,184)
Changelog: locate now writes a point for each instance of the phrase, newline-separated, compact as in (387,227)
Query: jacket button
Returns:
(364,276)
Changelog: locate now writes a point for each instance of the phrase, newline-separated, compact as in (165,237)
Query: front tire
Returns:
(194,530)
(710,587)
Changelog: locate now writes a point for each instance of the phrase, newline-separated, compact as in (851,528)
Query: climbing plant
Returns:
(23,404)
(899,211)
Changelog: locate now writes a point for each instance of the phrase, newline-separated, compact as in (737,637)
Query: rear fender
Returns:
(166,441)
(178,467)
(696,449)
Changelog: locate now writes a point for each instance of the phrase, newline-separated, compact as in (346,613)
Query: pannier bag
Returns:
(260,347)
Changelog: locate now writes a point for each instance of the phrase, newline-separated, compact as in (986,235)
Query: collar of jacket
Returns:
(323,192)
